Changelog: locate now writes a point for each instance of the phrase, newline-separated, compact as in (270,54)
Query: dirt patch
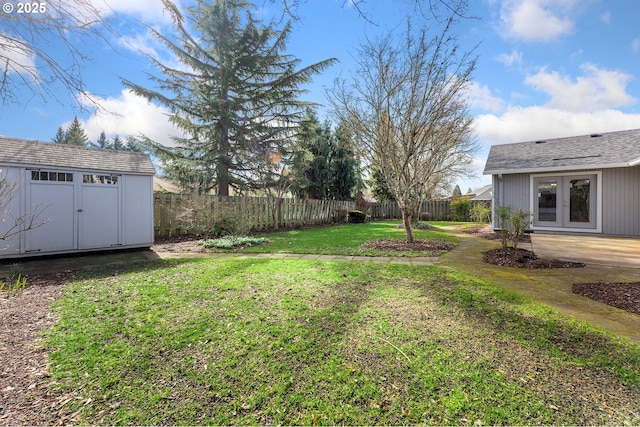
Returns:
(402,245)
(621,295)
(487,232)
(25,398)
(522,258)
(178,244)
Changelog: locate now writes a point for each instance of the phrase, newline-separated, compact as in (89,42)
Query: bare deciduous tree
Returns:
(28,32)
(12,223)
(407,107)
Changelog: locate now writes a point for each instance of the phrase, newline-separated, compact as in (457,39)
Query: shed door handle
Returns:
(80,210)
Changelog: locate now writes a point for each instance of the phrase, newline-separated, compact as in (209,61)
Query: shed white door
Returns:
(99,212)
(50,196)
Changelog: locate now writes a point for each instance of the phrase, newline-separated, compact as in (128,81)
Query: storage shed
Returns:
(580,184)
(81,199)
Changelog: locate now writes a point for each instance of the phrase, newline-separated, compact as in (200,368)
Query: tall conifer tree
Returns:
(236,98)
(75,135)
(60,138)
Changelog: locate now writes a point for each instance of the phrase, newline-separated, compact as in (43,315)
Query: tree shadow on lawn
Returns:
(546,329)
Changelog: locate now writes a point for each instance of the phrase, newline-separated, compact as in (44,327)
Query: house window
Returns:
(51,176)
(579,194)
(100,179)
(547,196)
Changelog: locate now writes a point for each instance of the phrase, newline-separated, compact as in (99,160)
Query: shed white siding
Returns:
(81,199)
(137,208)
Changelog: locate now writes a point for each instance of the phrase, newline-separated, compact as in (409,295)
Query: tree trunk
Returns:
(406,220)
(223,177)
(223,158)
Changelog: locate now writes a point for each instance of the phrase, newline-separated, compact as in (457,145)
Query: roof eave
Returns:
(74,168)
(561,168)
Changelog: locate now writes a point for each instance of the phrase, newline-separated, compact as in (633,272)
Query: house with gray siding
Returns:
(77,199)
(580,184)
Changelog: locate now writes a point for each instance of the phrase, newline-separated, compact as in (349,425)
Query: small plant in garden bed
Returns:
(233,242)
(15,282)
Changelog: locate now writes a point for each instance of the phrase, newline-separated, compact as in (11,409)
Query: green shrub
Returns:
(480,213)
(357,217)
(512,224)
(231,242)
(460,208)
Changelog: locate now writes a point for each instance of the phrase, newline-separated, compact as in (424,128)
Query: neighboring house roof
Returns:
(606,150)
(483,193)
(22,152)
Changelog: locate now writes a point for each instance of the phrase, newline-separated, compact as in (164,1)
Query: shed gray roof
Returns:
(22,152)
(606,150)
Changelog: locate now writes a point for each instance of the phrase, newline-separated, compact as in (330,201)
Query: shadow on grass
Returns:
(538,326)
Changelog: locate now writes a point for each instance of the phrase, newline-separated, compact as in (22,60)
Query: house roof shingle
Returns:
(606,150)
(23,152)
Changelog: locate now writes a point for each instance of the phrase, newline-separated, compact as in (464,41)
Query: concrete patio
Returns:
(591,249)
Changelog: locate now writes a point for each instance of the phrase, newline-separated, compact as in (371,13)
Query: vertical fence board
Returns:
(171,210)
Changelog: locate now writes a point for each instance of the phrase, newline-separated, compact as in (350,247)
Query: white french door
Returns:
(567,201)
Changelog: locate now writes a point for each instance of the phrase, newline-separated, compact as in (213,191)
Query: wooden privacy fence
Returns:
(438,210)
(176,214)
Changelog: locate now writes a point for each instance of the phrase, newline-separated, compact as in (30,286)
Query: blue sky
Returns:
(546,68)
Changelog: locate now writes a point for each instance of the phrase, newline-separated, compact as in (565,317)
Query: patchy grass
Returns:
(254,341)
(348,239)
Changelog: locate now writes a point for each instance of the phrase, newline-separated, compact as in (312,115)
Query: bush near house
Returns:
(512,224)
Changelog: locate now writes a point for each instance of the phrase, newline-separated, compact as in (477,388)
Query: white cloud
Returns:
(144,43)
(149,11)
(606,17)
(132,115)
(596,89)
(635,44)
(532,123)
(513,59)
(537,20)
(18,56)
(482,98)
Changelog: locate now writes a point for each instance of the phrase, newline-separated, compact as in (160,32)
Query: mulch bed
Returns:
(522,258)
(621,295)
(402,245)
(25,398)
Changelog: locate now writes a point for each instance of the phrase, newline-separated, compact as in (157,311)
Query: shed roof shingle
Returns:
(23,152)
(606,150)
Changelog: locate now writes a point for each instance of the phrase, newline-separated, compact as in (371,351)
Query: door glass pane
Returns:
(547,208)
(579,190)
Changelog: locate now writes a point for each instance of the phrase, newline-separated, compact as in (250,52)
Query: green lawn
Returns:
(256,341)
(346,239)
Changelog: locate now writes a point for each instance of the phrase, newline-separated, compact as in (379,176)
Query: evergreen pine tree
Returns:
(75,134)
(379,188)
(117,144)
(344,165)
(236,99)
(311,164)
(60,138)
(133,145)
(456,191)
(102,141)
